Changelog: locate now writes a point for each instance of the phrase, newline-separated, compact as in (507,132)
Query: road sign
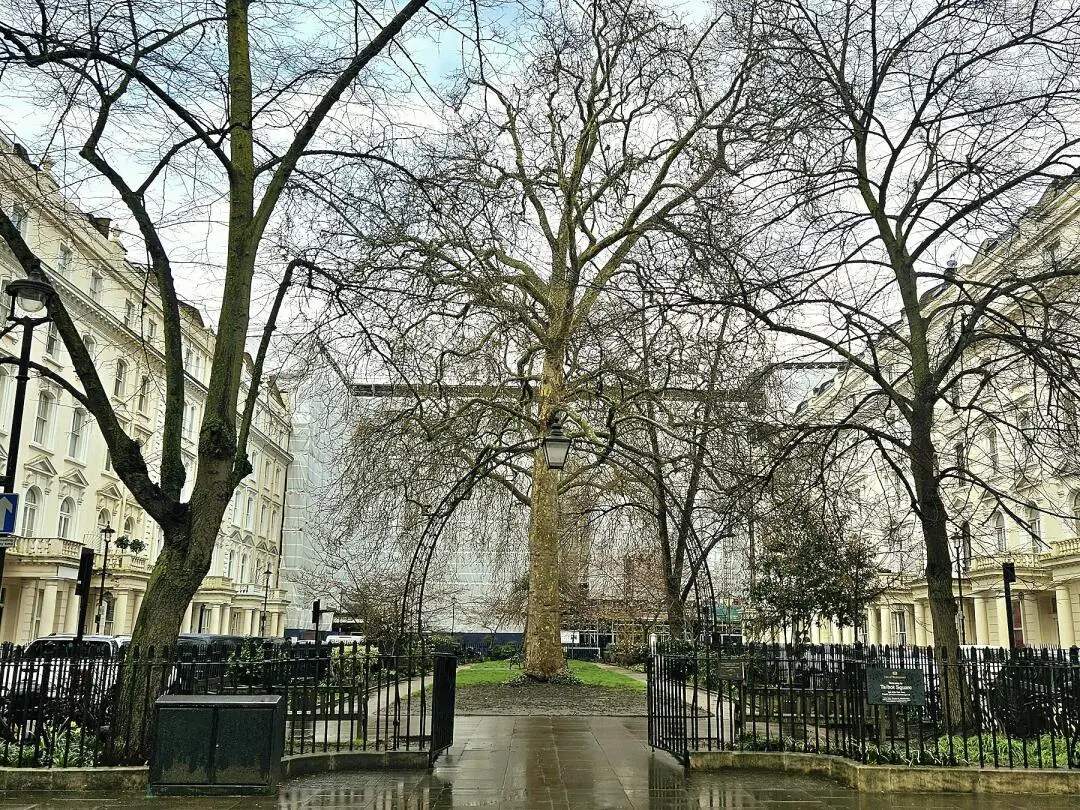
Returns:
(9,510)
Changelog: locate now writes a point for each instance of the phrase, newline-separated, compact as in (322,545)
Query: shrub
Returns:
(1022,698)
(502,652)
(69,746)
(986,749)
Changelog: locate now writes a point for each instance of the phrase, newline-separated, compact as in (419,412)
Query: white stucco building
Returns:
(1008,458)
(65,478)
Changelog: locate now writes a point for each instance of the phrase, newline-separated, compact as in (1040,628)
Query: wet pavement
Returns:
(551,763)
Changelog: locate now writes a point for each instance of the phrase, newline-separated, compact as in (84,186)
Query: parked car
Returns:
(56,678)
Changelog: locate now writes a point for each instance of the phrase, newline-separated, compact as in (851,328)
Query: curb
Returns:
(895,778)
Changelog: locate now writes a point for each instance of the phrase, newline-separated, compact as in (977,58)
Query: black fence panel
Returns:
(885,705)
(77,707)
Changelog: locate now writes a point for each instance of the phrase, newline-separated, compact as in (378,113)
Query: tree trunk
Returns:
(183,563)
(933,519)
(676,609)
(543,646)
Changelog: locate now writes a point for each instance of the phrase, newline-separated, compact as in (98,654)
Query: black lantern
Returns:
(28,295)
(556,445)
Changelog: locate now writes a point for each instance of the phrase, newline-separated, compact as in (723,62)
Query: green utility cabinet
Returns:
(214,745)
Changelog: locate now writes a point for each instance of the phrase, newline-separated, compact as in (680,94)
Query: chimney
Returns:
(950,268)
(101,224)
(47,164)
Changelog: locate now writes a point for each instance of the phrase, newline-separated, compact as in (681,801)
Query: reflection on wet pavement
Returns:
(548,763)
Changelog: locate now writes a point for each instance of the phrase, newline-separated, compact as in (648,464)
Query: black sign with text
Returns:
(895,687)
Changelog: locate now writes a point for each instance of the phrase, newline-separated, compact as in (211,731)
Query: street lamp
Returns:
(107,532)
(266,600)
(27,296)
(556,445)
(959,538)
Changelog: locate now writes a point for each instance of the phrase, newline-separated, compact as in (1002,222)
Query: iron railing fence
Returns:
(71,707)
(883,705)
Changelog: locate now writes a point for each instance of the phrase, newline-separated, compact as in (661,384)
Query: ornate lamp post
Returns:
(266,600)
(29,297)
(107,532)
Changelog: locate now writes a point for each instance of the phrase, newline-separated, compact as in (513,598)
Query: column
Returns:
(25,616)
(873,630)
(120,612)
(136,609)
(885,621)
(71,615)
(185,625)
(253,623)
(920,624)
(982,623)
(1066,631)
(215,617)
(279,625)
(48,609)
(226,616)
(1003,622)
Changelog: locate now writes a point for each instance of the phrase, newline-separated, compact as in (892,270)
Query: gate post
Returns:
(442,704)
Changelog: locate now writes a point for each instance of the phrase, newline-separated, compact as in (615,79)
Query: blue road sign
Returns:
(9,510)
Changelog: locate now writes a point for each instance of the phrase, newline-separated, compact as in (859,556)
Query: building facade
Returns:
(1011,472)
(68,488)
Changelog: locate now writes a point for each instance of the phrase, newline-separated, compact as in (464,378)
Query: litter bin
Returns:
(216,745)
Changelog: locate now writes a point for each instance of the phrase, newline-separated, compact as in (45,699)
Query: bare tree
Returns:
(205,92)
(611,129)
(928,128)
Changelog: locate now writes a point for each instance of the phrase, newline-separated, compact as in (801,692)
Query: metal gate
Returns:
(668,713)
(442,704)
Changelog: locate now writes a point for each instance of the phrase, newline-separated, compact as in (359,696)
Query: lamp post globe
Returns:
(28,295)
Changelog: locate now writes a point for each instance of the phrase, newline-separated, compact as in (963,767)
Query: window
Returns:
(1035,527)
(129,527)
(77,436)
(228,564)
(236,510)
(63,261)
(52,339)
(90,344)
(108,460)
(189,420)
(30,511)
(1001,539)
(992,449)
(1026,437)
(43,421)
(965,546)
(1076,512)
(66,524)
(249,514)
(104,518)
(960,456)
(129,312)
(144,394)
(39,603)
(899,618)
(151,328)
(120,383)
(244,568)
(20,218)
(264,516)
(96,282)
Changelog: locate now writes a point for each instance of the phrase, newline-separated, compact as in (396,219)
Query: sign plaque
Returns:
(895,687)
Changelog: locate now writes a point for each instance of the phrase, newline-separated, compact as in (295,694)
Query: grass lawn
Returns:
(590,674)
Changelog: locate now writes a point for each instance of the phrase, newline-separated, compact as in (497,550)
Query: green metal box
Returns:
(215,745)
